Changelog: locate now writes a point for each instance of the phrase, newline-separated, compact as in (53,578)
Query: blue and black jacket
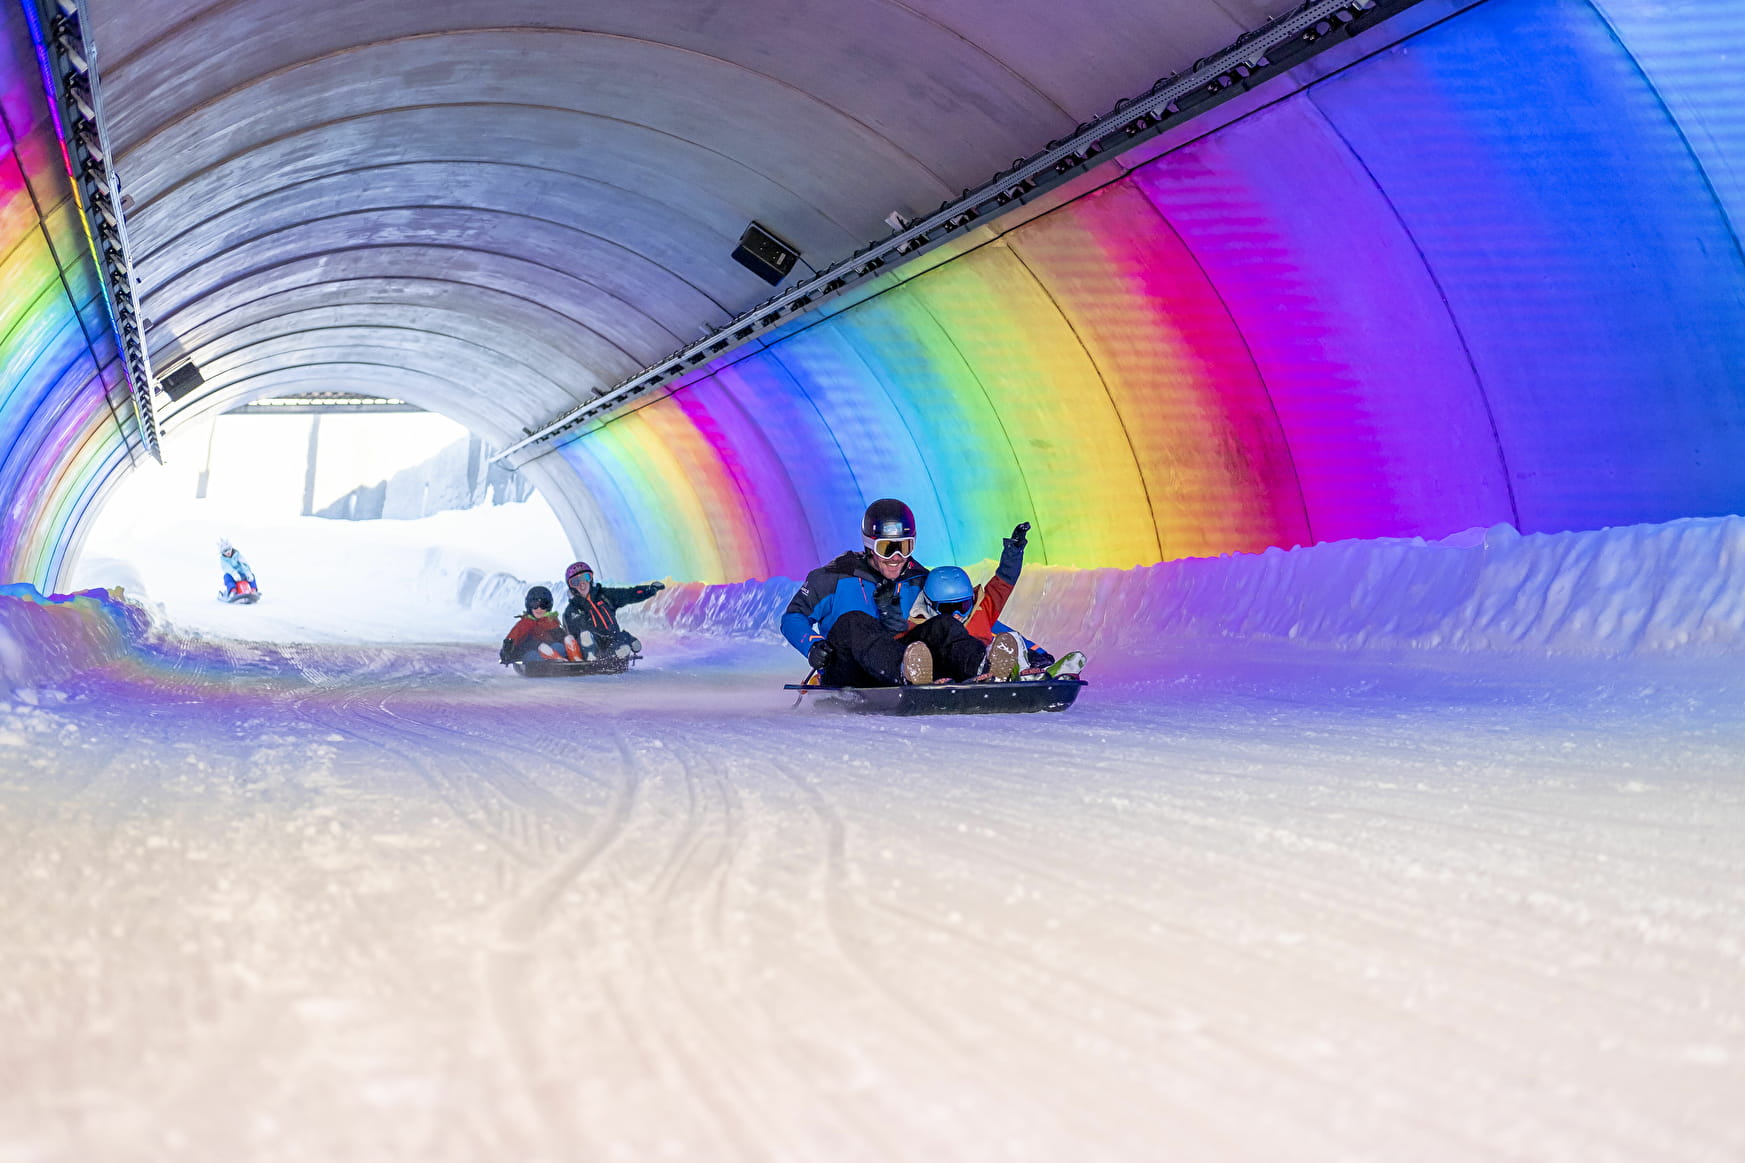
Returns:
(850,583)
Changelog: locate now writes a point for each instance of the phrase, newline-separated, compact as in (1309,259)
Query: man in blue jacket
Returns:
(851,618)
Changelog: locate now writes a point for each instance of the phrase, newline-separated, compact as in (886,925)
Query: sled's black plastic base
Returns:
(563,668)
(957,698)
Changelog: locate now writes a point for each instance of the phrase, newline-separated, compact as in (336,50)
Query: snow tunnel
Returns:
(1372,373)
(1477,264)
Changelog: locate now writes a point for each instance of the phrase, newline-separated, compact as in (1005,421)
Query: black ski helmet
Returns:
(538,596)
(887,520)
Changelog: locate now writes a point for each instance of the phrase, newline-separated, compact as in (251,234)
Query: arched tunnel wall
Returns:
(1491,274)
(66,424)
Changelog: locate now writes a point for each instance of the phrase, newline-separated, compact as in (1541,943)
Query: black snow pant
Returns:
(866,654)
(607,641)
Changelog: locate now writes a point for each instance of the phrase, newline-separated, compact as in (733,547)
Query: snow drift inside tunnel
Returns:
(1676,589)
(1639,590)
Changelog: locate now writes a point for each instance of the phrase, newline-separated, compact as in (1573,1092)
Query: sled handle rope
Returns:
(805,684)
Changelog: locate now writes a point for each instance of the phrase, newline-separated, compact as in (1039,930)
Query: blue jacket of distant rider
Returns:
(850,583)
(236,567)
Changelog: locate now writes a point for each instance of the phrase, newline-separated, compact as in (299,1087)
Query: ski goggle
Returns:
(888,547)
(958,610)
(584,576)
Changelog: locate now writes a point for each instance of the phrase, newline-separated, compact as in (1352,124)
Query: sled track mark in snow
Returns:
(701,1042)
(453,793)
(518,813)
(504,970)
(842,914)
(708,785)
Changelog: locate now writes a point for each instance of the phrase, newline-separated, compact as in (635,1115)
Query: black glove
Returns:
(1020,534)
(820,655)
(657,587)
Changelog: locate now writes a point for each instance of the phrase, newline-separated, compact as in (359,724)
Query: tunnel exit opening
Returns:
(358,520)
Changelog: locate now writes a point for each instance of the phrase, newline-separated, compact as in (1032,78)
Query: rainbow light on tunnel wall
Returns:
(1490,274)
(61,433)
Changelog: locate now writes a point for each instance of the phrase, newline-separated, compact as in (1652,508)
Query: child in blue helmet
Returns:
(948,591)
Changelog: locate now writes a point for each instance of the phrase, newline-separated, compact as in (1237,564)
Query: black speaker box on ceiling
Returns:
(765,255)
(181,380)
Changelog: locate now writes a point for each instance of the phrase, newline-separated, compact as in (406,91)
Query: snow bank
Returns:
(44,639)
(1644,589)
(748,609)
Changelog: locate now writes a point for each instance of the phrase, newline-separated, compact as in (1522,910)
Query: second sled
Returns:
(564,668)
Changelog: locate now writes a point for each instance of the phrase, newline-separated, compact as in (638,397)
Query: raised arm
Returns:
(1012,554)
(621,596)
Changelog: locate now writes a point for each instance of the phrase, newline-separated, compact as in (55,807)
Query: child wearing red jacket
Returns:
(949,591)
(537,633)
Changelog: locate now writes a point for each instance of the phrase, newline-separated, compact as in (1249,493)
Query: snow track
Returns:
(394,902)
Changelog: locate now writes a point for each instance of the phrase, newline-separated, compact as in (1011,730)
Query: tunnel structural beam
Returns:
(69,74)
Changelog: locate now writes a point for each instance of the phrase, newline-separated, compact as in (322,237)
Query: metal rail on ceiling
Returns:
(323,403)
(69,66)
(1256,57)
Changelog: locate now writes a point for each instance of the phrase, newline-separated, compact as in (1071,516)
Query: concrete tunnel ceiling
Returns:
(498,211)
(1478,262)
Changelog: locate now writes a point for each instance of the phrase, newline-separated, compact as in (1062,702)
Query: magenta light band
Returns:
(1445,286)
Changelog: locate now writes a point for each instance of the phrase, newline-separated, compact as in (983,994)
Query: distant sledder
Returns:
(851,619)
(240,586)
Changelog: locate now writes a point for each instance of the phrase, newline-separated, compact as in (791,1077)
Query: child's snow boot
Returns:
(571,648)
(917,665)
(622,650)
(1005,656)
(586,641)
(1068,665)
(547,650)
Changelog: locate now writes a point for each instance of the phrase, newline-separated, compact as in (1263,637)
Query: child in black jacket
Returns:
(592,614)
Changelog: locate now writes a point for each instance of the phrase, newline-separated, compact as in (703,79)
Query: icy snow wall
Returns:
(1672,589)
(1487,274)
(1676,588)
(44,639)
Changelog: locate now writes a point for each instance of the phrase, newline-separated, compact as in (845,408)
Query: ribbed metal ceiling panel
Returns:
(497,211)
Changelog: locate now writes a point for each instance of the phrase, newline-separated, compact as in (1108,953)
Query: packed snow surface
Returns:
(1253,898)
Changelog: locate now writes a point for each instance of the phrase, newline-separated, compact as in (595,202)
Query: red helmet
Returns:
(578,567)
